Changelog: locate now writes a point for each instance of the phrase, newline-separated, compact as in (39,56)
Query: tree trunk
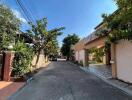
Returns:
(38,54)
(68,58)
(46,59)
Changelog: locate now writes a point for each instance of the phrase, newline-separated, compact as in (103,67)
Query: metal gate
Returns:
(124,60)
(1,65)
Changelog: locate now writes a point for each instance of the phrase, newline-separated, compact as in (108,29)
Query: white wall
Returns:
(41,60)
(80,56)
(124,60)
(76,55)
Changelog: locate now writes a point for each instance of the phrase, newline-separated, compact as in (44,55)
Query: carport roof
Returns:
(85,41)
(80,45)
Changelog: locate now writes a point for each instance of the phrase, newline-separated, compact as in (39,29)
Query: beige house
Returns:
(91,41)
(80,51)
(120,55)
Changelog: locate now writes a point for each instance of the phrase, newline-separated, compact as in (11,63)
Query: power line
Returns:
(5,2)
(34,17)
(25,11)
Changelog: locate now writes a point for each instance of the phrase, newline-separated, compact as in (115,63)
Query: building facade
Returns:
(119,56)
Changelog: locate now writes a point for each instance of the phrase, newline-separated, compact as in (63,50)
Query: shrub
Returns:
(81,63)
(22,60)
(76,62)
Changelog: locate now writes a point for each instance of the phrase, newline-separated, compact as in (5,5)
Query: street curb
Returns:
(128,92)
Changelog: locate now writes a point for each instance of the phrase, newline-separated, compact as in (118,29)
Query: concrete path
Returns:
(62,81)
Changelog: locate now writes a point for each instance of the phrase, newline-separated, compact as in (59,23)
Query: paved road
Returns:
(63,81)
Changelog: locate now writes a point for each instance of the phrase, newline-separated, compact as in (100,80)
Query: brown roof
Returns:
(98,25)
(80,45)
(91,37)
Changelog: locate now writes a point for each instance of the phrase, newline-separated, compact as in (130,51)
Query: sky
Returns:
(77,16)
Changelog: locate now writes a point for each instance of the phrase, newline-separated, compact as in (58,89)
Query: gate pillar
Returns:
(9,55)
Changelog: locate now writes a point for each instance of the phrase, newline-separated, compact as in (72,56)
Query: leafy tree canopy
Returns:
(9,25)
(23,57)
(67,44)
(44,39)
(52,48)
(120,22)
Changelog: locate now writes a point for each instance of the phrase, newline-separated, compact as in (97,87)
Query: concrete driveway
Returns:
(62,81)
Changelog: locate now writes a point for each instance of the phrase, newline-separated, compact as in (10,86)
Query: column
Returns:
(113,60)
(7,65)
(108,57)
(86,57)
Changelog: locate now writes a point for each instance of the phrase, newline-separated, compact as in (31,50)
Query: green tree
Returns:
(67,44)
(98,53)
(120,22)
(23,57)
(9,25)
(52,48)
(43,38)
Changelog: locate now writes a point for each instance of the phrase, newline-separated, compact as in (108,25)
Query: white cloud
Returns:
(18,15)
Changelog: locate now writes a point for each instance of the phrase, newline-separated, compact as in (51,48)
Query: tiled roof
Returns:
(91,37)
(82,43)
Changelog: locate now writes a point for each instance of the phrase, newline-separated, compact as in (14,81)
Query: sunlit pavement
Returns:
(8,88)
(63,81)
